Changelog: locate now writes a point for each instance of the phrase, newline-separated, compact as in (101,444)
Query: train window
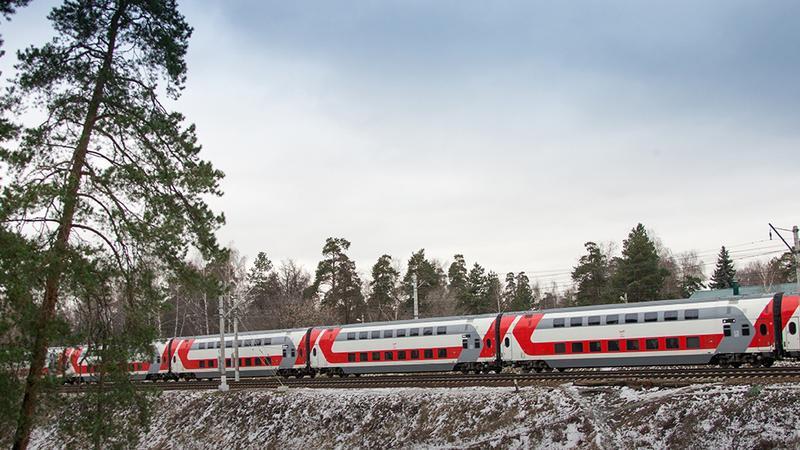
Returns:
(792,328)
(401,354)
(293,353)
(441,330)
(465,343)
(561,347)
(247,362)
(413,332)
(376,356)
(558,323)
(227,362)
(267,341)
(363,335)
(388,356)
(632,318)
(691,314)
(632,344)
(442,353)
(351,336)
(427,331)
(376,334)
(670,315)
(651,344)
(268,360)
(228,344)
(763,329)
(612,319)
(248,342)
(428,353)
(478,343)
(577,347)
(693,342)
(726,329)
(745,329)
(594,346)
(283,352)
(651,317)
(363,356)
(414,354)
(401,333)
(256,342)
(507,341)
(256,361)
(388,333)
(672,343)
(174,359)
(351,357)
(314,352)
(202,346)
(613,346)
(576,322)
(594,320)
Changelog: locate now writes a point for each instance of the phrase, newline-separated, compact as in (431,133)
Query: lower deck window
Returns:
(613,346)
(388,356)
(376,356)
(202,364)
(363,356)
(577,347)
(414,354)
(693,342)
(672,343)
(632,344)
(561,348)
(401,354)
(651,344)
(351,357)
(594,346)
(442,353)
(428,353)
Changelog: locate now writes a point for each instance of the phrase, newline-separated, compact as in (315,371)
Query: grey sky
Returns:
(509,132)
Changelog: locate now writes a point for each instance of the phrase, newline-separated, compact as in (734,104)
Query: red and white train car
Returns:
(673,332)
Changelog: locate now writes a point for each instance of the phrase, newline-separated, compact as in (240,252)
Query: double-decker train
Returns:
(727,332)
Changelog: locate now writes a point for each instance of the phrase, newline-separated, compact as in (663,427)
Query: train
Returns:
(730,332)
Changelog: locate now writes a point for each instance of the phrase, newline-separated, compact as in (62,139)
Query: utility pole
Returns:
(223,383)
(416,299)
(794,250)
(236,344)
(796,257)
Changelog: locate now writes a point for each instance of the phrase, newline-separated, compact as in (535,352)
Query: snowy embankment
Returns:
(565,416)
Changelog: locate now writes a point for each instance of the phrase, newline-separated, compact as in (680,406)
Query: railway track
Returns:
(759,374)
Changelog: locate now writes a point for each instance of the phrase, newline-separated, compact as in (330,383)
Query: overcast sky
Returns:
(511,132)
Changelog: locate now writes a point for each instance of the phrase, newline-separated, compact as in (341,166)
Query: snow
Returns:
(542,417)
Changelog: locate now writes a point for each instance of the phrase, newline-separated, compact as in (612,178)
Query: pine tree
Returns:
(337,274)
(383,295)
(430,278)
(724,273)
(591,277)
(523,296)
(476,298)
(510,291)
(110,177)
(638,273)
(457,276)
(494,292)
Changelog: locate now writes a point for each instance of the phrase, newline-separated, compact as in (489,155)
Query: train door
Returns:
(791,335)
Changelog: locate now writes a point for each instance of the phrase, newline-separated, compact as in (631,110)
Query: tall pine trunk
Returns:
(57,253)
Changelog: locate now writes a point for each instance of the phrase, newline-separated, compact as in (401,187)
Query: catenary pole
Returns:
(235,344)
(223,383)
(796,257)
(416,299)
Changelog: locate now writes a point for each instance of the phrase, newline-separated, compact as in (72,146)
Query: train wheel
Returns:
(561,369)
(767,362)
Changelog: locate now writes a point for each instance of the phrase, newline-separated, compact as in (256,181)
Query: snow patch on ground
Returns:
(542,417)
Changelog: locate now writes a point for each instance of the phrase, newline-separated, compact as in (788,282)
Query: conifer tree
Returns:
(510,291)
(383,292)
(494,293)
(638,274)
(476,298)
(724,273)
(338,282)
(457,275)
(430,279)
(523,296)
(591,277)
(110,177)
